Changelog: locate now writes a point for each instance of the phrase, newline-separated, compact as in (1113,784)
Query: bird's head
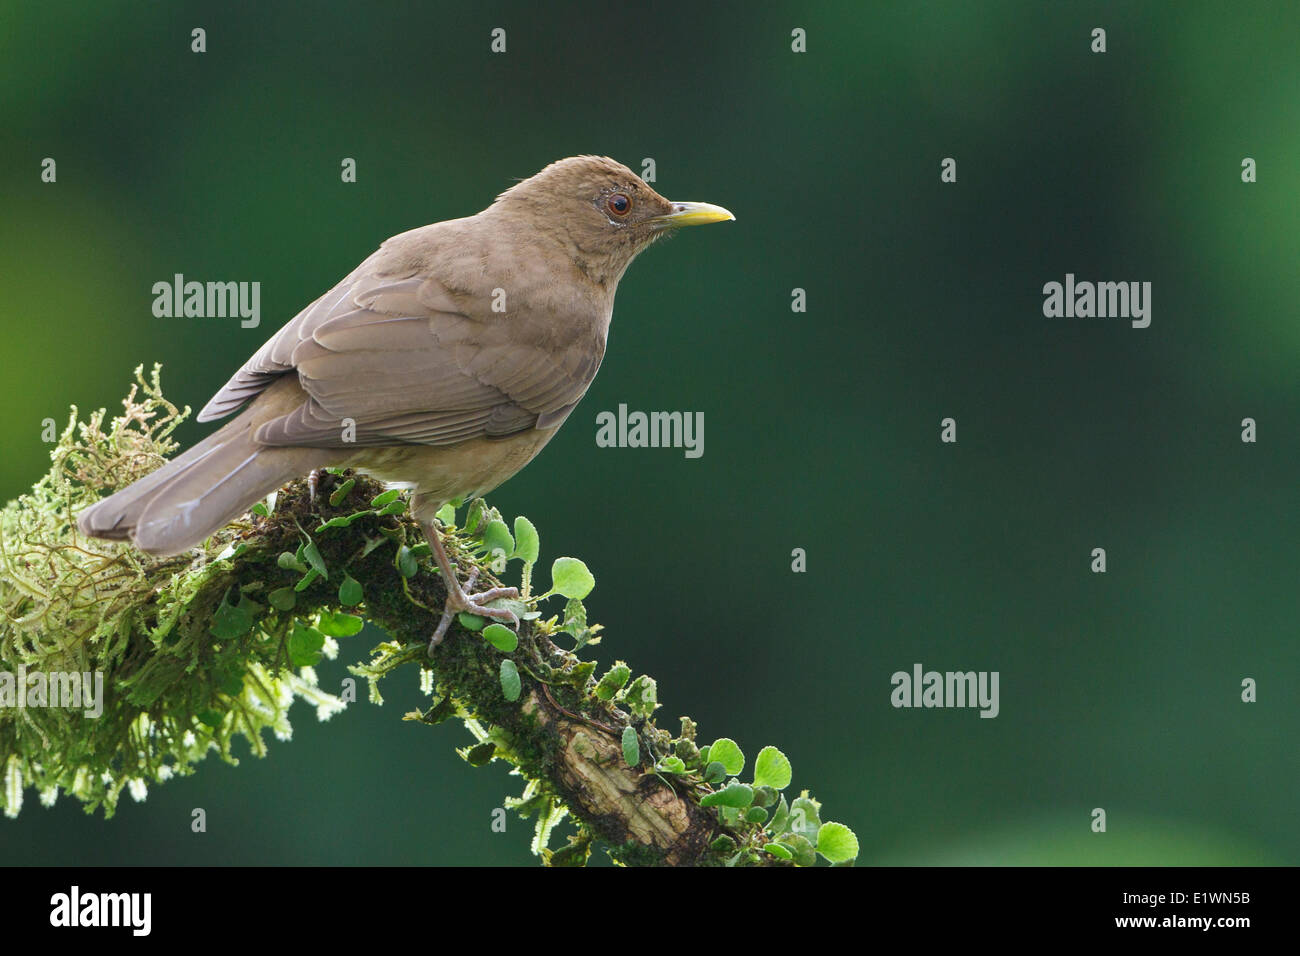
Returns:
(601,211)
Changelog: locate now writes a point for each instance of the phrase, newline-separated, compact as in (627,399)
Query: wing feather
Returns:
(404,360)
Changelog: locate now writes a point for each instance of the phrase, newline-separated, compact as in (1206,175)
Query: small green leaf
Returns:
(388,497)
(342,491)
(574,854)
(232,551)
(805,816)
(780,819)
(312,555)
(407,566)
(339,624)
(350,592)
(837,843)
(211,718)
(778,851)
(772,769)
(290,562)
(393,508)
(736,795)
(443,710)
(641,696)
(471,622)
(570,577)
(715,772)
(259,509)
(581,673)
(501,637)
(613,680)
(305,644)
(447,515)
(496,537)
(575,622)
(511,686)
(631,747)
(755,815)
(282,599)
(802,850)
(671,765)
(233,620)
(527,545)
(723,844)
(311,575)
(342,521)
(725,751)
(519,608)
(479,754)
(474,515)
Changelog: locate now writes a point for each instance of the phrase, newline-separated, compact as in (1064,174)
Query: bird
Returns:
(444,362)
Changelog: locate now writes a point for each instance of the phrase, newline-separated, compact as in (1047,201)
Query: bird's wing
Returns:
(399,358)
(275,357)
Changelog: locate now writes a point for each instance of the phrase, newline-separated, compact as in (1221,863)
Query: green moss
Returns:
(632,853)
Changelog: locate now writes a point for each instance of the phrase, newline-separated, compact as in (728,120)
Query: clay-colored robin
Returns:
(445,361)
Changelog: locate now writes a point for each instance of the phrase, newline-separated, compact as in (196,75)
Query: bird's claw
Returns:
(474,604)
(460,602)
(313,482)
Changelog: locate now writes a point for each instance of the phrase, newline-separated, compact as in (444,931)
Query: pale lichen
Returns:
(71,605)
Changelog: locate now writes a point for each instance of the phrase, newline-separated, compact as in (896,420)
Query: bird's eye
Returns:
(619,204)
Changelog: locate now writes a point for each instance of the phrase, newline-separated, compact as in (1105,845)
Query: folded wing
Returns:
(393,359)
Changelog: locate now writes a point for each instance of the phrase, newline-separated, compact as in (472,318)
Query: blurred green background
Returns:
(822,429)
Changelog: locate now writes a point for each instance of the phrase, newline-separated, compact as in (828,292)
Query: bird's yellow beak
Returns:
(694,214)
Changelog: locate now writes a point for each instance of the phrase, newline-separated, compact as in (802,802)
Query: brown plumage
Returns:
(446,360)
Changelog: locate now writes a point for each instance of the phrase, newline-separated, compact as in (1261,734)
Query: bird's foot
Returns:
(458,601)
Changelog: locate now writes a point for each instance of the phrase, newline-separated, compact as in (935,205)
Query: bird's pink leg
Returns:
(457,598)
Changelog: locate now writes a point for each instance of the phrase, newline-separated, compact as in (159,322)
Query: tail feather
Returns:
(197,493)
(115,517)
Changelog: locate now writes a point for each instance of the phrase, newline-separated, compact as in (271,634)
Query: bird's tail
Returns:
(198,492)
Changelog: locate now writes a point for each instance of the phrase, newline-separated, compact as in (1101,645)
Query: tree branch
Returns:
(199,649)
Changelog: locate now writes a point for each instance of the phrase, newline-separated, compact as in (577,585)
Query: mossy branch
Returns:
(199,649)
